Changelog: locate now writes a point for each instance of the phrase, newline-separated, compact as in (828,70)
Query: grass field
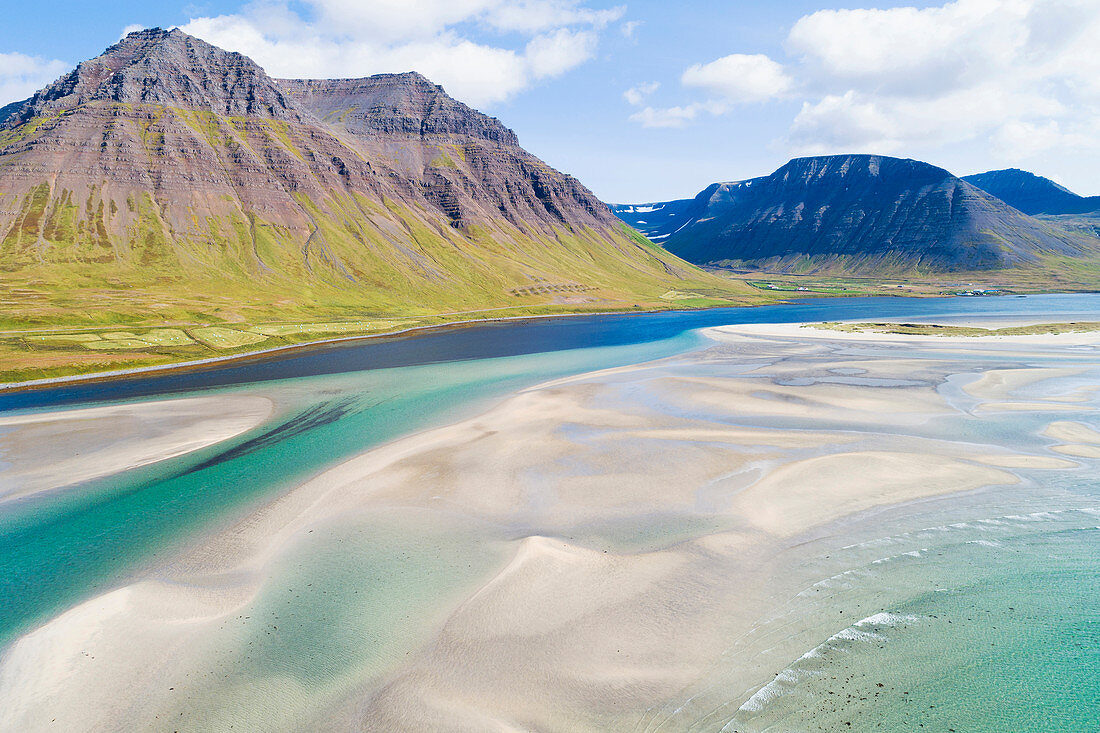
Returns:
(932,329)
(1055,274)
(58,352)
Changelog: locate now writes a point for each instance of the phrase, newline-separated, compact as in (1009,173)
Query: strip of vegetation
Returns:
(934,329)
(27,355)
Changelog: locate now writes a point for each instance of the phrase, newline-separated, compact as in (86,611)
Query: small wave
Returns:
(865,630)
(982,525)
(891,558)
(770,691)
(1037,516)
(885,618)
(838,581)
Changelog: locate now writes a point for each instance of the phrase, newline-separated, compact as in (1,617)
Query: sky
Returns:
(650,100)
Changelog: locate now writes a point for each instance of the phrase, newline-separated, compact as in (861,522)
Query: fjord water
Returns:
(1020,656)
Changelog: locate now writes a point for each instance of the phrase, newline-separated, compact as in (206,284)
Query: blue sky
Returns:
(645,100)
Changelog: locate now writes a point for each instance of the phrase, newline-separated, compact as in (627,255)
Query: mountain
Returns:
(469,166)
(1033,194)
(659,220)
(665,218)
(168,179)
(856,214)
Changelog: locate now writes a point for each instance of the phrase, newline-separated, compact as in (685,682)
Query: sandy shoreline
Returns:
(595,553)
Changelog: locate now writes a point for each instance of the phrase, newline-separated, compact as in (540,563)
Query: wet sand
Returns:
(52,450)
(596,553)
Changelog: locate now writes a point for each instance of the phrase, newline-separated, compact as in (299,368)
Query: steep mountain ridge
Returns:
(469,165)
(1033,194)
(393,104)
(166,68)
(863,214)
(170,178)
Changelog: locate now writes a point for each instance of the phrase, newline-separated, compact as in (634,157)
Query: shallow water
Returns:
(974,613)
(985,625)
(998,655)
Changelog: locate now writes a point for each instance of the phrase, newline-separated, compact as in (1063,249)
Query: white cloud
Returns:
(728,81)
(1014,74)
(861,121)
(132,28)
(552,54)
(667,116)
(394,20)
(676,116)
(534,16)
(637,94)
(1017,140)
(22,75)
(906,49)
(353,38)
(629,28)
(1015,79)
(739,78)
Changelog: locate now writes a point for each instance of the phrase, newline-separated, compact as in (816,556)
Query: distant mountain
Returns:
(660,220)
(168,178)
(855,214)
(1033,194)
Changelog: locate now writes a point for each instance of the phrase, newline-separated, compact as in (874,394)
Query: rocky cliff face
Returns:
(395,104)
(1033,194)
(863,213)
(167,159)
(467,164)
(154,146)
(167,68)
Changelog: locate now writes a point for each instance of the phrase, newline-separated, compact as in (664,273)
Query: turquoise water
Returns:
(979,614)
(989,626)
(60,547)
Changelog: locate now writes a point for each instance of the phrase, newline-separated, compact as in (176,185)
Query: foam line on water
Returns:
(865,630)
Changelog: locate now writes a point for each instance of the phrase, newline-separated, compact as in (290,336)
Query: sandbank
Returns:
(51,450)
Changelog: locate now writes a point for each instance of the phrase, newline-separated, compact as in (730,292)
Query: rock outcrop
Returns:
(160,67)
(395,104)
(468,164)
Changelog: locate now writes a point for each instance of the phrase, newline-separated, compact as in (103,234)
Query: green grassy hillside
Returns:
(75,300)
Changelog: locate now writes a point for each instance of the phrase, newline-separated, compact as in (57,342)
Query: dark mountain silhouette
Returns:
(1033,194)
(856,214)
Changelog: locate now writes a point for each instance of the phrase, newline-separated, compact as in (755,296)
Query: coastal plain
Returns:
(660,546)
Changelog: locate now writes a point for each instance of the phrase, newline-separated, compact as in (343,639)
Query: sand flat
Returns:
(997,384)
(809,332)
(50,450)
(1078,451)
(1023,461)
(816,490)
(1072,432)
(586,555)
